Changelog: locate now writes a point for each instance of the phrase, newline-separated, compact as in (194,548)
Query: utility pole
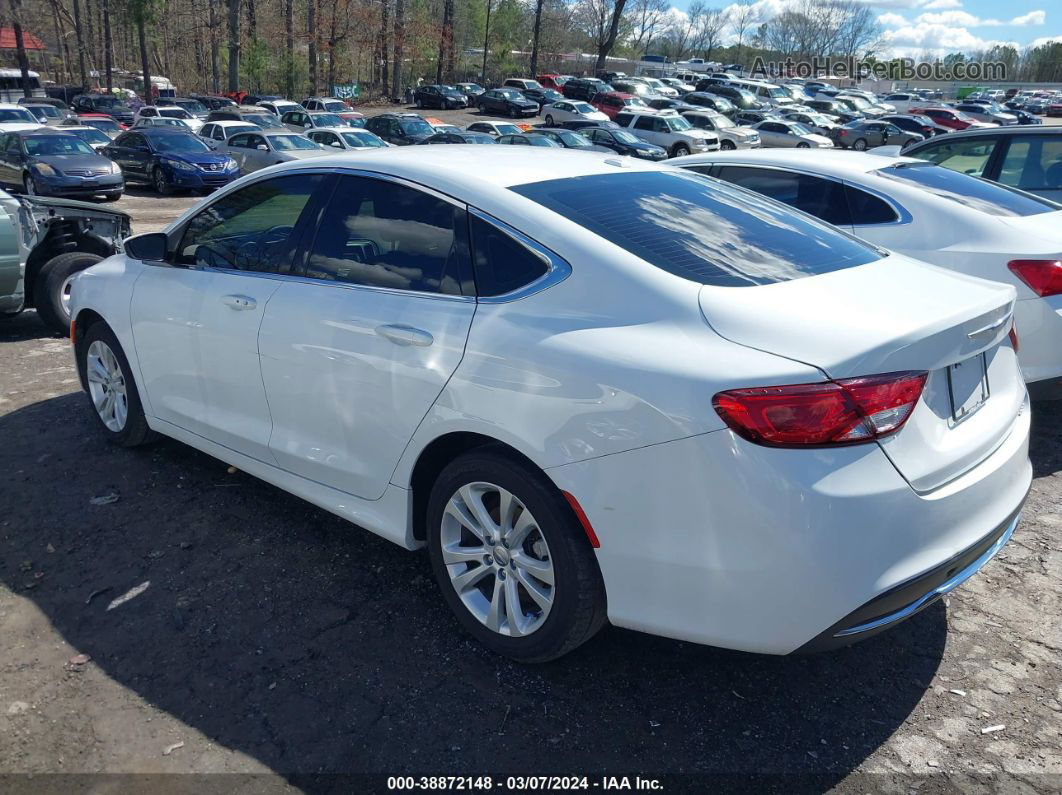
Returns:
(486,46)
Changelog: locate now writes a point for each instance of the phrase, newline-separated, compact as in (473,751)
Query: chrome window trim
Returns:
(557,269)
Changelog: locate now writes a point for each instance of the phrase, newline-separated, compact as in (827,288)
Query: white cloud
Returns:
(1032,18)
(967,20)
(1040,42)
(891,20)
(937,38)
(943,4)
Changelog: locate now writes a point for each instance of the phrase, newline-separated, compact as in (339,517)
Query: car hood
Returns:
(12,126)
(64,162)
(195,158)
(643,146)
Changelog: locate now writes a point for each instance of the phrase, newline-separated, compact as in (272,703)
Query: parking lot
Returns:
(162,613)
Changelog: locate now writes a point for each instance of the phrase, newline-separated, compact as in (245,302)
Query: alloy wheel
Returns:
(497,559)
(107,386)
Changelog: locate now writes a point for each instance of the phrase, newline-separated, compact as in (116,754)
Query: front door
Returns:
(195,321)
(355,353)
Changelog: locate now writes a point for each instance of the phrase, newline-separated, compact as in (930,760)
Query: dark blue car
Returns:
(170,160)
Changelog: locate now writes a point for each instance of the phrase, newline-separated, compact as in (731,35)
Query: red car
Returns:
(1054,109)
(612,102)
(946,117)
(556,82)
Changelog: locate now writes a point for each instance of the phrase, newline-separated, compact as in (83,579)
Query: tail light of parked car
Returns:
(1044,276)
(842,412)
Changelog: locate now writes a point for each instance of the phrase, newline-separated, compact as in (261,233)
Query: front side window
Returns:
(502,264)
(698,229)
(381,234)
(252,229)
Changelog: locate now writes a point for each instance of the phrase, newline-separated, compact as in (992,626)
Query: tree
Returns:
(710,29)
(79,35)
(108,46)
(289,47)
(742,18)
(311,48)
(444,63)
(535,35)
(234,44)
(20,46)
(143,13)
(648,18)
(600,20)
(400,46)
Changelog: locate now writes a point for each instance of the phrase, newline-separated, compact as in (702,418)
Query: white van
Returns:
(765,92)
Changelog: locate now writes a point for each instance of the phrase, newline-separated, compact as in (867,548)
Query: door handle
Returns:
(239,302)
(405,335)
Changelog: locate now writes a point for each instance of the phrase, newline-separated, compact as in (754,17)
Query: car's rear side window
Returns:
(977,194)
(700,229)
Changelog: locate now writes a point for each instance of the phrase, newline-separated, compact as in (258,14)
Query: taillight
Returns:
(847,411)
(1044,276)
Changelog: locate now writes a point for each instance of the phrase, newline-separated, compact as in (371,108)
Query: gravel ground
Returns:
(268,638)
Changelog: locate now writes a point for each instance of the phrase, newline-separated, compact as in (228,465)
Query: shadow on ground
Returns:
(283,633)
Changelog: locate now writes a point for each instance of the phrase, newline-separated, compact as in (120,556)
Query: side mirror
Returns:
(262,148)
(150,247)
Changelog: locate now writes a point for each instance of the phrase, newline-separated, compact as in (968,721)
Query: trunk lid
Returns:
(896,315)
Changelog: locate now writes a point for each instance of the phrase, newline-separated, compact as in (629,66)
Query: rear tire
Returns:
(106,373)
(545,551)
(53,288)
(860,145)
(549,121)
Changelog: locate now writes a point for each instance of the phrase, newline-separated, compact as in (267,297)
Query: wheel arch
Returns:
(63,237)
(436,455)
(79,326)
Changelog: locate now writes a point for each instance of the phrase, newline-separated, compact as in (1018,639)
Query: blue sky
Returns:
(940,26)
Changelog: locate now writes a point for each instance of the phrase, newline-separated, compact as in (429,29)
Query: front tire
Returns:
(680,150)
(29,186)
(803,145)
(727,146)
(162,186)
(511,559)
(108,380)
(55,279)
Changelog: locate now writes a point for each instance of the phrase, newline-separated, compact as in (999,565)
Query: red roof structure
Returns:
(7,40)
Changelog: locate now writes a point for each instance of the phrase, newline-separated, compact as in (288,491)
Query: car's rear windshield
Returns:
(973,192)
(700,229)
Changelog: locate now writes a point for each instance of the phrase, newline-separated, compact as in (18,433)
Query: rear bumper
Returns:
(714,540)
(913,596)
(1038,322)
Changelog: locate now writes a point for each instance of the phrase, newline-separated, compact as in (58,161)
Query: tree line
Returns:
(300,47)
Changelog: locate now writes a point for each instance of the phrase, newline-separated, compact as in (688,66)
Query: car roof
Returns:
(471,173)
(829,162)
(1013,129)
(341,130)
(37,131)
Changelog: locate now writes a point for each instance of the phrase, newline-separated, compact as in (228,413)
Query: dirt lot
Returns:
(232,628)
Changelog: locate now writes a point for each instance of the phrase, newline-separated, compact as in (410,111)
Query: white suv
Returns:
(670,131)
(731,135)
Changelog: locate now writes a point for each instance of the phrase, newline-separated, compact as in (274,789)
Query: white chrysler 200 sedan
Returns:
(593,388)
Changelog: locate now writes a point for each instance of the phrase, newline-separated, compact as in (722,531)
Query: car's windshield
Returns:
(721,122)
(92,136)
(776,92)
(365,138)
(192,105)
(677,123)
(625,137)
(698,229)
(336,107)
(634,102)
(264,120)
(818,118)
(327,120)
(283,143)
(47,111)
(175,113)
(507,129)
(38,145)
(16,115)
(415,127)
(107,102)
(541,140)
(100,124)
(532,84)
(583,107)
(174,142)
(510,93)
(798,129)
(164,122)
(574,140)
(977,194)
(236,129)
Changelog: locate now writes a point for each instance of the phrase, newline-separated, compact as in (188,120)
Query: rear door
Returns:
(195,322)
(355,353)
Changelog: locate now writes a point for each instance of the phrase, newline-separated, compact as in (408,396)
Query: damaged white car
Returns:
(44,244)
